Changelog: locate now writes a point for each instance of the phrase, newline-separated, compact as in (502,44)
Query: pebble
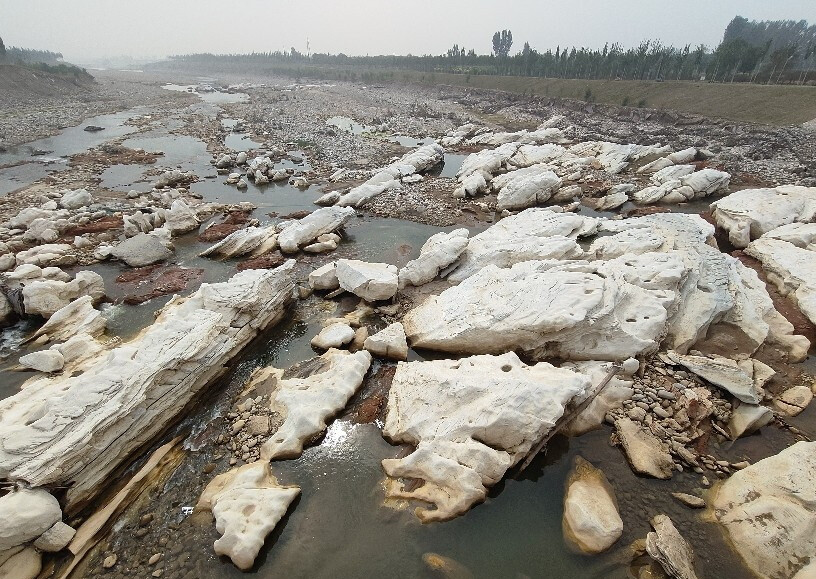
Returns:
(154,559)
(741,465)
(109,561)
(145,519)
(690,500)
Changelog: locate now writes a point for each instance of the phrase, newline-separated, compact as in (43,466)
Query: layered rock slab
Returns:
(438,252)
(304,231)
(591,520)
(247,503)
(768,511)
(307,396)
(470,420)
(74,430)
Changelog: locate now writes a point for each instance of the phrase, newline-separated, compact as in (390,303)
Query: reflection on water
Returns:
(215,97)
(349,125)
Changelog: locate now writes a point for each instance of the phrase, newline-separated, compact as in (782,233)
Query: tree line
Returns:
(759,52)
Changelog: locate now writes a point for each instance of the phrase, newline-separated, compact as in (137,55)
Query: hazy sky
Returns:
(87,29)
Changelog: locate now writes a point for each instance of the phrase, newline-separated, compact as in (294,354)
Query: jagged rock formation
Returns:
(438,252)
(76,429)
(750,213)
(303,231)
(308,395)
(769,512)
(470,420)
(247,503)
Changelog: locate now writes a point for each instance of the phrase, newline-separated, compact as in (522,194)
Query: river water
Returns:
(339,527)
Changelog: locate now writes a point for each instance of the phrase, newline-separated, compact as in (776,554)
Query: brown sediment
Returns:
(153,281)
(372,406)
(297,215)
(266,261)
(643,211)
(104,224)
(218,232)
(113,154)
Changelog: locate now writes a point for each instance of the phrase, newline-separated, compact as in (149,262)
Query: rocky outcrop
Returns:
(440,251)
(526,187)
(768,511)
(748,214)
(78,317)
(790,268)
(247,504)
(74,430)
(575,310)
(389,343)
(742,378)
(303,231)
(591,520)
(44,297)
(307,396)
(681,183)
(370,281)
(470,420)
(416,162)
(532,234)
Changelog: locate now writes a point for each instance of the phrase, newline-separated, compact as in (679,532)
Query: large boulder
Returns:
(591,520)
(308,396)
(469,420)
(768,511)
(370,281)
(668,547)
(681,183)
(75,199)
(44,297)
(576,309)
(75,429)
(247,503)
(141,250)
(645,452)
(526,187)
(180,218)
(252,240)
(306,230)
(438,252)
(25,515)
(389,343)
(790,268)
(750,213)
(532,234)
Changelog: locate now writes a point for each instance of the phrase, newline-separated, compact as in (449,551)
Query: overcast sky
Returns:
(88,29)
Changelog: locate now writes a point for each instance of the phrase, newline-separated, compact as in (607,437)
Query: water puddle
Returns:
(349,125)
(213,96)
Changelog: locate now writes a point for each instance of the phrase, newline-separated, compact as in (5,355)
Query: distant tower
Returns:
(308,49)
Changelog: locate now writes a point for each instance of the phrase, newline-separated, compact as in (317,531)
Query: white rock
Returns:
(241,158)
(315,394)
(50,254)
(328,199)
(678,184)
(76,199)
(180,219)
(45,297)
(526,187)
(43,361)
(575,310)
(141,250)
(25,515)
(748,418)
(244,241)
(533,234)
(769,511)
(744,378)
(591,520)
(668,547)
(470,421)
(23,564)
(437,253)
(247,504)
(304,231)
(224,161)
(799,234)
(790,268)
(750,213)
(646,453)
(370,281)
(56,538)
(324,278)
(77,317)
(489,161)
(389,343)
(333,336)
(74,430)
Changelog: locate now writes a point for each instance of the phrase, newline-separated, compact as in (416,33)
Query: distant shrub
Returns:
(625,101)
(588,95)
(641,103)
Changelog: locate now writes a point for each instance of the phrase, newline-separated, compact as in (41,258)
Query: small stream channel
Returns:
(339,527)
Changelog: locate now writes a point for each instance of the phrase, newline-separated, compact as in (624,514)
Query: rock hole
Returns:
(506,368)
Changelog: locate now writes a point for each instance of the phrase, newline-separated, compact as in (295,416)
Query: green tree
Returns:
(2,50)
(502,41)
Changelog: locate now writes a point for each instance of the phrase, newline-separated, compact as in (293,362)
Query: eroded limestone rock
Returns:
(591,520)
(438,252)
(370,281)
(304,231)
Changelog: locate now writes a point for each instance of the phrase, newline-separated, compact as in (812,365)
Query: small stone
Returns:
(141,533)
(154,559)
(109,561)
(56,538)
(690,500)
(258,425)
(208,468)
(157,573)
(145,519)
(741,465)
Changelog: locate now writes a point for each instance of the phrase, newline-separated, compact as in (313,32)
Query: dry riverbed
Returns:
(578,291)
